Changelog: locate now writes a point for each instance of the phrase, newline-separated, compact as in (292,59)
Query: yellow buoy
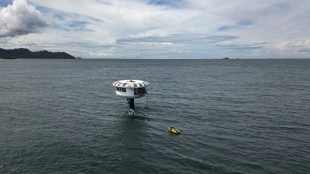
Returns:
(174,130)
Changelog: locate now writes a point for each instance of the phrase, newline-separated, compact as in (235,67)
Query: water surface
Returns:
(236,116)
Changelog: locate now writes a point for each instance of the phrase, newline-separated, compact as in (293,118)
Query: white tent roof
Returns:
(131,83)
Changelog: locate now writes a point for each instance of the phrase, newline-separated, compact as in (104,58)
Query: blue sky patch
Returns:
(171,3)
(245,22)
(78,24)
(223,28)
(5,3)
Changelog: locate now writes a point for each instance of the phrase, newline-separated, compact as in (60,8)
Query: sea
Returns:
(235,117)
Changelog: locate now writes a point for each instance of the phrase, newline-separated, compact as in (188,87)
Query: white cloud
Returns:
(193,29)
(20,18)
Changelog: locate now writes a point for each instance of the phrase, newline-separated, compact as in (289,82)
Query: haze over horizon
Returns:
(158,29)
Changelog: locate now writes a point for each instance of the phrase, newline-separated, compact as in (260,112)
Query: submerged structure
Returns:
(131,89)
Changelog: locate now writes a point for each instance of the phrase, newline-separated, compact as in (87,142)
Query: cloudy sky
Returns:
(159,29)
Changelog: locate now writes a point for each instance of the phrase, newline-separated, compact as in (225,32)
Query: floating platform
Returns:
(131,89)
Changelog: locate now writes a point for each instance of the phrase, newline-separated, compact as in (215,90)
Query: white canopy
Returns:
(131,83)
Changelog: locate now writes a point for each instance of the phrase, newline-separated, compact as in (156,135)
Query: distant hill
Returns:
(22,53)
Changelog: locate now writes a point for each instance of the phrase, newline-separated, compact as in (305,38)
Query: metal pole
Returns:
(147,100)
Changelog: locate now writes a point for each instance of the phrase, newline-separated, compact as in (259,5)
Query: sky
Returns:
(159,29)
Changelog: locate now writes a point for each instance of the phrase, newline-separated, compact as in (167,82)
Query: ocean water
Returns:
(236,116)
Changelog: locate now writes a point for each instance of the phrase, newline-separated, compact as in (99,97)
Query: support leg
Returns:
(131,103)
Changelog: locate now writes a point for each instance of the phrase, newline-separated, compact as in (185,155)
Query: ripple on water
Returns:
(62,116)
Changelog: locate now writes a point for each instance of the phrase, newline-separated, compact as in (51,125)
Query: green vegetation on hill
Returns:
(25,53)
